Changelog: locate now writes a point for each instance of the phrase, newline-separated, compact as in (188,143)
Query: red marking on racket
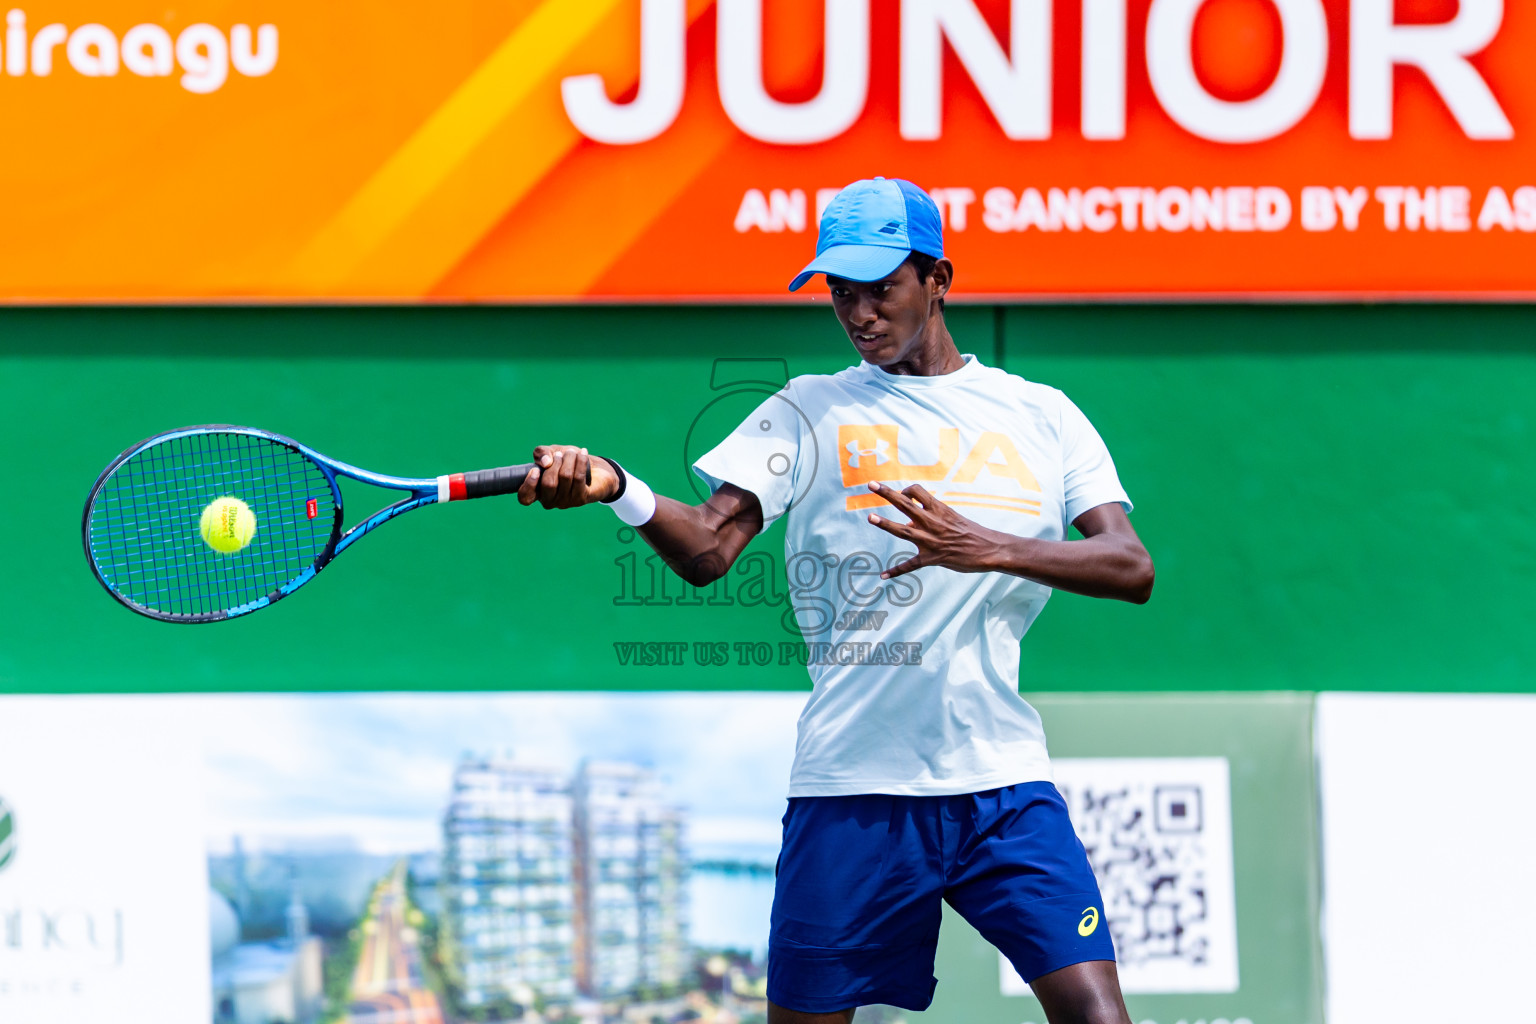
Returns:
(311,508)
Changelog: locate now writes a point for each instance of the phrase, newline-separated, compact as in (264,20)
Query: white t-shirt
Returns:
(916,679)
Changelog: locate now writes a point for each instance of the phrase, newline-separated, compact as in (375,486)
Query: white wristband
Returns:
(637,504)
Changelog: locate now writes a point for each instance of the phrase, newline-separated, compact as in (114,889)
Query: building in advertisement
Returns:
(631,884)
(506,883)
(274,982)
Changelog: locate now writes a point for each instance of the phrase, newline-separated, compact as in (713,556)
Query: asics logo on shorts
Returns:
(1089,923)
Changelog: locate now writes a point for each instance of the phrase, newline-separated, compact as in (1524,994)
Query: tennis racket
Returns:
(141,521)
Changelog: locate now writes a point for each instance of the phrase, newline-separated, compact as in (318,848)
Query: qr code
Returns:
(1158,832)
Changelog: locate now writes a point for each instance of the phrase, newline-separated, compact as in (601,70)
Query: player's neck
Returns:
(933,355)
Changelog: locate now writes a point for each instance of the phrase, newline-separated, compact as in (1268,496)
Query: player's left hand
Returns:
(942,536)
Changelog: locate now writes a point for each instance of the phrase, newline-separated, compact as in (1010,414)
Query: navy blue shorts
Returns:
(856,906)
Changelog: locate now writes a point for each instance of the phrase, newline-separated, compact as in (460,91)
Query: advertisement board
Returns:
(654,150)
(103,884)
(584,858)
(1384,914)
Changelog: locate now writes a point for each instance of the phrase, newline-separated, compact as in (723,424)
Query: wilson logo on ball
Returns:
(7,834)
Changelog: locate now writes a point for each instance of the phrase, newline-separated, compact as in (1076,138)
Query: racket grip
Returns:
(486,483)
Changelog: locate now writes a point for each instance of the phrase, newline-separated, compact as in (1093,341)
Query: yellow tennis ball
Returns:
(227,525)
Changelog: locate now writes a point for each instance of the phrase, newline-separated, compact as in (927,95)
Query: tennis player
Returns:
(920,774)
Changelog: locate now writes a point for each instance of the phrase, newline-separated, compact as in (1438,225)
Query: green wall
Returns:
(1336,497)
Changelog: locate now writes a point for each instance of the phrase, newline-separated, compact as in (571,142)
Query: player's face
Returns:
(888,320)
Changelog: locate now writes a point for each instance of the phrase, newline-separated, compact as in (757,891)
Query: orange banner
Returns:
(652,150)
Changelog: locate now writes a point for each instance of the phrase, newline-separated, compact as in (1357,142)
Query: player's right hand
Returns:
(565,476)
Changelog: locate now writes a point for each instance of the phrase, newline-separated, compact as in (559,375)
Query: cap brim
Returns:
(854,262)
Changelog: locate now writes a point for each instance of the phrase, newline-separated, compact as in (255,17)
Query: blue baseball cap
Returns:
(870,227)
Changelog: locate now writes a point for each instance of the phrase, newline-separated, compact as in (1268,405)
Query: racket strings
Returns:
(145,522)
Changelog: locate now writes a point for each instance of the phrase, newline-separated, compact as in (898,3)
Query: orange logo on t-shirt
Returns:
(872,452)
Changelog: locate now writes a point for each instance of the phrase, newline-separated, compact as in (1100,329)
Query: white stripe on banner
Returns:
(1428,829)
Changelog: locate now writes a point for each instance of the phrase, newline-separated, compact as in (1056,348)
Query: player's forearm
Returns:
(1107,565)
(699,542)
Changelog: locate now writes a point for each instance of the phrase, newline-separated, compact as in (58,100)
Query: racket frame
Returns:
(422,491)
